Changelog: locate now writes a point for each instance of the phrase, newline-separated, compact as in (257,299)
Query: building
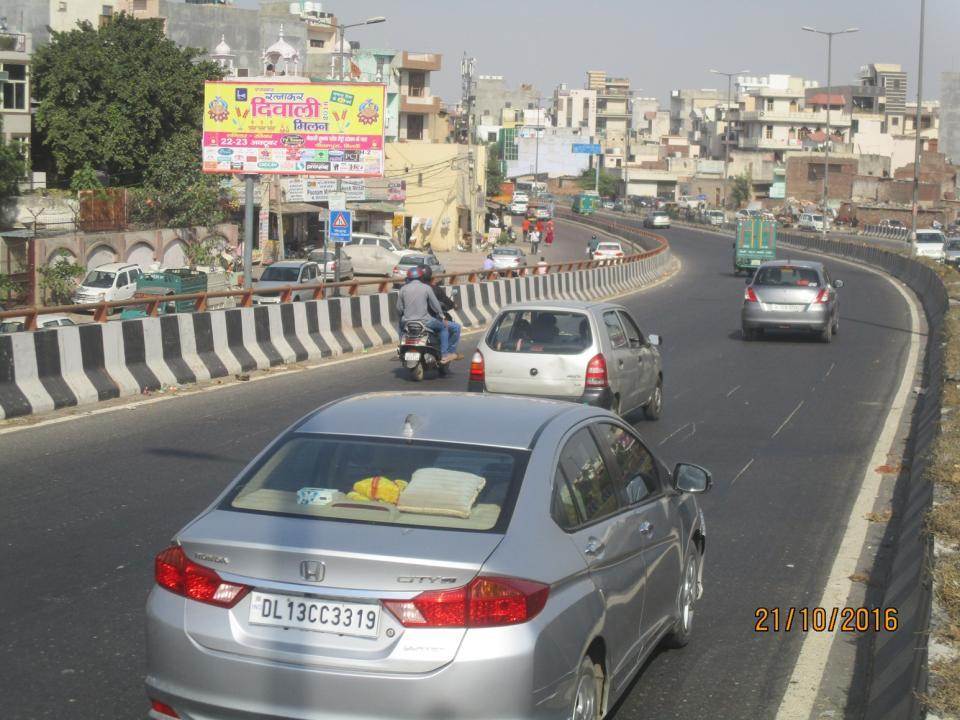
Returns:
(496,105)
(805,171)
(613,114)
(892,80)
(15,49)
(37,18)
(547,151)
(950,115)
(575,108)
(684,104)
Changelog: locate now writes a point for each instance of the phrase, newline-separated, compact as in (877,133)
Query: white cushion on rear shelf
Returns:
(436,491)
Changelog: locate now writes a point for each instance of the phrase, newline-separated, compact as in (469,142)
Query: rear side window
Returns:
(564,511)
(634,336)
(638,469)
(541,331)
(618,338)
(784,276)
(334,478)
(591,486)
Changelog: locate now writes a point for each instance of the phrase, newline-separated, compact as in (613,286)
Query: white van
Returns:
(108,283)
(812,221)
(930,244)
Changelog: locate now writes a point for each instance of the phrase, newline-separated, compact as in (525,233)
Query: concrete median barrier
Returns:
(67,366)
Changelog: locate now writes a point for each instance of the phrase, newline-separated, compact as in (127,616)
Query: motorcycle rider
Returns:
(447,303)
(592,245)
(417,302)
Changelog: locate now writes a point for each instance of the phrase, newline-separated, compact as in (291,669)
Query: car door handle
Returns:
(645,528)
(594,547)
(619,363)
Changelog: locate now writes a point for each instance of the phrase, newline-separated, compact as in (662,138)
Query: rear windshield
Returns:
(540,331)
(384,482)
(412,260)
(610,246)
(928,237)
(281,274)
(787,277)
(506,251)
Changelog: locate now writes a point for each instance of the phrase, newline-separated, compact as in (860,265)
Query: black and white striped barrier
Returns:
(68,366)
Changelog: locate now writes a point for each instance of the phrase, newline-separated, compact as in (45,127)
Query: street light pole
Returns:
(826,147)
(918,145)
(536,165)
(340,58)
(726,129)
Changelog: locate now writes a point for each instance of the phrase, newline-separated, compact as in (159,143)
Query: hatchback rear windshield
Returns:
(412,260)
(930,237)
(385,482)
(784,276)
(281,274)
(541,331)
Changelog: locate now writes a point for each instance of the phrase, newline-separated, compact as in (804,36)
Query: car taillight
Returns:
(822,297)
(750,296)
(597,372)
(485,602)
(396,270)
(175,572)
(477,371)
(163,709)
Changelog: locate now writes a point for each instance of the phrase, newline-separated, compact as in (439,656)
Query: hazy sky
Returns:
(659,44)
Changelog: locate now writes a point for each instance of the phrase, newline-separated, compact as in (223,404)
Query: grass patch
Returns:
(944,696)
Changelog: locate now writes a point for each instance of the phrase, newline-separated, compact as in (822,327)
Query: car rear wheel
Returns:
(686,600)
(587,699)
(653,409)
(826,335)
(836,325)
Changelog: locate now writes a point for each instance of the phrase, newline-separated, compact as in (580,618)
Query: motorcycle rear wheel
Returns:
(416,372)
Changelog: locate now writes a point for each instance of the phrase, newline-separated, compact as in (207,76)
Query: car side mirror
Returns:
(690,478)
(655,340)
(838,284)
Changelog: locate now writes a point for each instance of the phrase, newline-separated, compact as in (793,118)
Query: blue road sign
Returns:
(341,226)
(586,149)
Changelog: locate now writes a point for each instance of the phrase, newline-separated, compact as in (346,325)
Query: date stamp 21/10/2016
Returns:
(818,619)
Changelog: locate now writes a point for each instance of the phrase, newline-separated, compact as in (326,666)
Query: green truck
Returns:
(586,203)
(756,243)
(153,285)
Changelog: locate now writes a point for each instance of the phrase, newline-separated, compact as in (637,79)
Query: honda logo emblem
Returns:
(312,570)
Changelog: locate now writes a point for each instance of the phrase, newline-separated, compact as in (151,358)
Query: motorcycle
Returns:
(420,349)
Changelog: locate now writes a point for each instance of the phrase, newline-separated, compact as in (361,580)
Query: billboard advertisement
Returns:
(263,127)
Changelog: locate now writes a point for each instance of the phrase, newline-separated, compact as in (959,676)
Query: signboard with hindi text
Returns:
(264,127)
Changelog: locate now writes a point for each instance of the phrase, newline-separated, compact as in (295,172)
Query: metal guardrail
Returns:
(320,290)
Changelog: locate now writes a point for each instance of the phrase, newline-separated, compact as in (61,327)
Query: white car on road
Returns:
(607,250)
(930,244)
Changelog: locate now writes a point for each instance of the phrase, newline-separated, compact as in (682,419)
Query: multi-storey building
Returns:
(15,49)
(950,115)
(497,105)
(613,113)
(892,80)
(575,108)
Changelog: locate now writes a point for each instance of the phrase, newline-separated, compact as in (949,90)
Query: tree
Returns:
(85,179)
(11,169)
(111,97)
(742,189)
(495,176)
(609,183)
(58,279)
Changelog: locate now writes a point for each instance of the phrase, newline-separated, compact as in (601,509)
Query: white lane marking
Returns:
(679,429)
(734,390)
(745,468)
(690,434)
(804,684)
(279,371)
(830,370)
(789,418)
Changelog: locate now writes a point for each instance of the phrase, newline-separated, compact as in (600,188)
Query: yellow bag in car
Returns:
(378,488)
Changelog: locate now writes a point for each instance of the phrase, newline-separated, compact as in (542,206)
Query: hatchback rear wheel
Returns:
(587,700)
(826,335)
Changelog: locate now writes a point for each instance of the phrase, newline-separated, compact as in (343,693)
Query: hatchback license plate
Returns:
(357,619)
(784,308)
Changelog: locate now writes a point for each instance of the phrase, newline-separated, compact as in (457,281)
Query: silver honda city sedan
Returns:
(429,555)
(791,295)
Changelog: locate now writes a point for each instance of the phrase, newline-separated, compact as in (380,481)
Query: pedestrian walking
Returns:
(549,238)
(540,227)
(534,242)
(526,228)
(542,266)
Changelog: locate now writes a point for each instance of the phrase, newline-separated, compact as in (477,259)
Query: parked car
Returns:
(791,295)
(374,254)
(608,204)
(951,252)
(400,270)
(281,274)
(534,550)
(327,261)
(656,219)
(518,207)
(930,244)
(108,283)
(44,322)
(894,224)
(508,258)
(715,217)
(813,221)
(585,352)
(607,250)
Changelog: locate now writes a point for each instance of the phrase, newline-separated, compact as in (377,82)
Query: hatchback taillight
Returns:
(477,371)
(175,572)
(750,296)
(822,297)
(485,602)
(597,372)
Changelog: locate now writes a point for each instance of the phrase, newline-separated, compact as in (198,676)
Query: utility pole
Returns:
(918,146)
(826,147)
(248,232)
(468,66)
(726,129)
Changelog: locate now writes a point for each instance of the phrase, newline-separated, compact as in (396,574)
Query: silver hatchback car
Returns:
(791,295)
(429,555)
(587,352)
